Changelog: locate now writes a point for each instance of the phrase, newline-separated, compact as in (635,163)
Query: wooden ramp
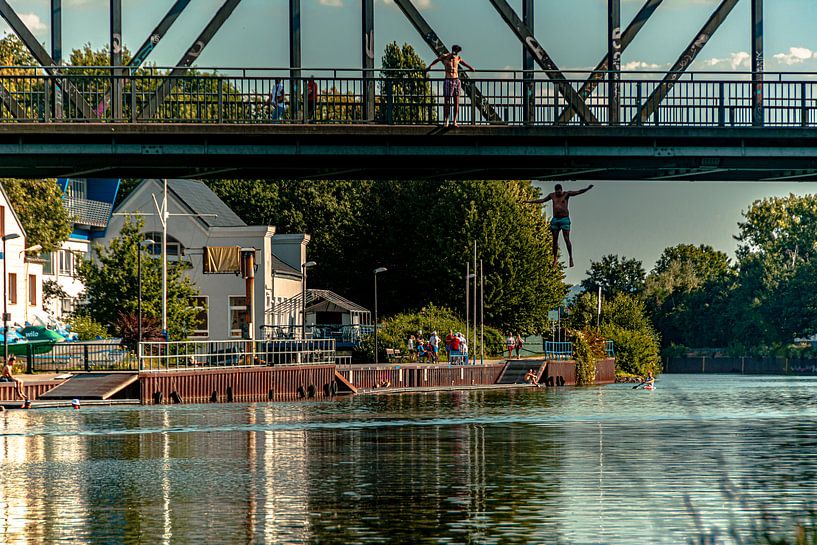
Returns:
(515,371)
(92,386)
(344,386)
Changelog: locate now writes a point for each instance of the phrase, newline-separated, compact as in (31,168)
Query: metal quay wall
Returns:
(563,373)
(240,384)
(32,388)
(741,365)
(422,376)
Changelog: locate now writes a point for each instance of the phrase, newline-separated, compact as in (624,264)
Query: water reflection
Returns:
(597,465)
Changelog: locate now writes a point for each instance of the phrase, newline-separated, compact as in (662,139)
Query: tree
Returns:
(423,232)
(406,92)
(111,285)
(776,258)
(615,275)
(625,321)
(688,296)
(38,204)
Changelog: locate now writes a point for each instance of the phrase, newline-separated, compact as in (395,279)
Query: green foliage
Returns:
(38,204)
(423,232)
(588,347)
(111,284)
(52,292)
(688,295)
(625,321)
(615,275)
(395,331)
(88,329)
(406,92)
(636,350)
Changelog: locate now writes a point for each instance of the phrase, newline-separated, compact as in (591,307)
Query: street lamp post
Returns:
(376,272)
(144,244)
(10,236)
(304,267)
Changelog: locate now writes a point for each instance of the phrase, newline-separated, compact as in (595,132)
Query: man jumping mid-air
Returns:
(561,218)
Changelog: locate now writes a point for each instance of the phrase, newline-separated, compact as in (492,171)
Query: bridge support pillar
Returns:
(614,60)
(56,48)
(295,56)
(757,63)
(116,59)
(529,105)
(368,59)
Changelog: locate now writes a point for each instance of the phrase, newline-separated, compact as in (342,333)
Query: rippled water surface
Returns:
(609,464)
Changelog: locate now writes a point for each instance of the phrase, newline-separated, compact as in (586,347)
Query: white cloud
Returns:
(795,55)
(33,22)
(735,60)
(332,3)
(419,4)
(638,65)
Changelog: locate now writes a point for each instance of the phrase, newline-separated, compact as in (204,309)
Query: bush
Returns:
(636,349)
(87,329)
(588,346)
(395,331)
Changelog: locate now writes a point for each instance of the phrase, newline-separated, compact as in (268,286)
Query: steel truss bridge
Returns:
(537,122)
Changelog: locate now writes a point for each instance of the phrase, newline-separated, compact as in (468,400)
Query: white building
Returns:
(89,204)
(199,220)
(24,274)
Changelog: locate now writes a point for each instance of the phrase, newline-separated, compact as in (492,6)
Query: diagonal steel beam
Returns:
(683,62)
(42,56)
(486,110)
(156,36)
(541,57)
(150,43)
(189,58)
(627,38)
(14,108)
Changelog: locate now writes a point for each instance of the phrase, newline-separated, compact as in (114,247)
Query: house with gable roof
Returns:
(200,221)
(24,273)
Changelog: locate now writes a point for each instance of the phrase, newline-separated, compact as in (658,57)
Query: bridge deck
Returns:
(403,152)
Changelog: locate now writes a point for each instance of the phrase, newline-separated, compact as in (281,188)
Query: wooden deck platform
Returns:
(99,386)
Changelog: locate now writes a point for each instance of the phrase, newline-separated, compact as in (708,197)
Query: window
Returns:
(66,305)
(78,189)
(12,288)
(32,290)
(2,221)
(48,264)
(201,327)
(237,310)
(175,250)
(66,264)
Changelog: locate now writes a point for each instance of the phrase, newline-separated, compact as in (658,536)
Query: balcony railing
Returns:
(88,212)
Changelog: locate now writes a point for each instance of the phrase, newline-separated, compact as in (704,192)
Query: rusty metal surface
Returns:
(32,388)
(559,373)
(423,376)
(606,371)
(238,384)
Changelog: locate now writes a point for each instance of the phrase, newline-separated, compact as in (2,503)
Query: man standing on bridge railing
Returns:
(452,85)
(561,218)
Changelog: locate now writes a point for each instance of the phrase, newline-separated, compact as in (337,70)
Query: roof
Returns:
(280,266)
(201,200)
(335,299)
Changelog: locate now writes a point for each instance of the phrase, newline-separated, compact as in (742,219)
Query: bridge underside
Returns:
(415,152)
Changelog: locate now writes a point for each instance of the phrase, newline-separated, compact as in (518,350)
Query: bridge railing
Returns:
(333,96)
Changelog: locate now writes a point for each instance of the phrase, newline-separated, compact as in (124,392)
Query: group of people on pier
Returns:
(424,350)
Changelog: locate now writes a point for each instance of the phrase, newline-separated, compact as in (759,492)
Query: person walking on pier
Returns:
(452,86)
(561,218)
(9,377)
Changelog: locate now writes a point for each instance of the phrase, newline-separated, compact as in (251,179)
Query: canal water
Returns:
(698,456)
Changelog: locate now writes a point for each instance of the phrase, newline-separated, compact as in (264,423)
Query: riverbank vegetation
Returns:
(758,304)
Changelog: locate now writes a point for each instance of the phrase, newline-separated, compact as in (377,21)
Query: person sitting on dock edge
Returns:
(8,376)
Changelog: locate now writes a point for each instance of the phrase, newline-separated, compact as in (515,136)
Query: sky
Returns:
(633,219)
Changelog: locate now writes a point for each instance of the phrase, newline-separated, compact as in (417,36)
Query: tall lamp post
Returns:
(376,272)
(10,236)
(304,267)
(144,244)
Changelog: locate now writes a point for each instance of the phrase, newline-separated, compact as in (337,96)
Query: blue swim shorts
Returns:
(562,224)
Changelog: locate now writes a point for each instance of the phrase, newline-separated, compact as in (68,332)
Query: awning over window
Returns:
(222,259)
